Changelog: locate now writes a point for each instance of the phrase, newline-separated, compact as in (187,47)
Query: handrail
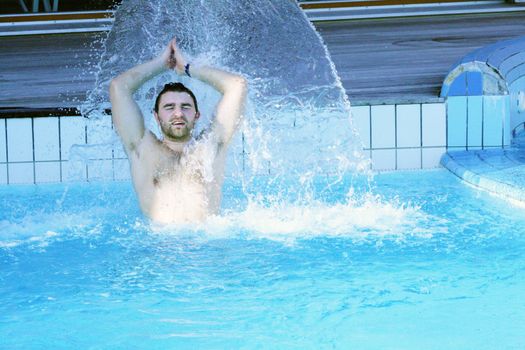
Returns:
(24,112)
(56,16)
(515,130)
(363,3)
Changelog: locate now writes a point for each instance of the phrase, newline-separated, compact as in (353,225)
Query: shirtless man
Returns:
(179,177)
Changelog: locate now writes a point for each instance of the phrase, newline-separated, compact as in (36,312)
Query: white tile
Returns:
(3,174)
(340,127)
(494,113)
(101,135)
(408,125)
(474,121)
(361,118)
(47,172)
(234,163)
(409,158)
(21,173)
(457,121)
(235,157)
(73,170)
(432,157)
(121,169)
(118,150)
(100,170)
(368,156)
(46,139)
(384,159)
(250,166)
(507,131)
(434,124)
(19,140)
(3,143)
(383,126)
(72,132)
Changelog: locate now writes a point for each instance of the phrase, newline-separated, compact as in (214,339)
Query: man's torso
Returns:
(178,187)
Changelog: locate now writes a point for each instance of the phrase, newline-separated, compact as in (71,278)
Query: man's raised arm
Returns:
(233,88)
(126,114)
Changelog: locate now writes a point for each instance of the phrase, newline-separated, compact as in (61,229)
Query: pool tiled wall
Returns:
(56,149)
(402,136)
(478,122)
(37,150)
(394,136)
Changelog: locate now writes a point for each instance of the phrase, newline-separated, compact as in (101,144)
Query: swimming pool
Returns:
(420,262)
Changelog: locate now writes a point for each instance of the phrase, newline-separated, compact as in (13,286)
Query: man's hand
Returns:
(173,58)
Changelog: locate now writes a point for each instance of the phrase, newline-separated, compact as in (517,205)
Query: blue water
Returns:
(423,263)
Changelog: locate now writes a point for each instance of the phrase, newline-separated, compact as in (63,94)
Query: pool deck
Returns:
(405,60)
(390,60)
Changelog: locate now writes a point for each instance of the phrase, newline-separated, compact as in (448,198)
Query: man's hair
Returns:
(175,87)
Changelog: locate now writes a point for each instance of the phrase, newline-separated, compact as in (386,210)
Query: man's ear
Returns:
(156,115)
(197,115)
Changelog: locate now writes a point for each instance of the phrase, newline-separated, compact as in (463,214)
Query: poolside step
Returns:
(499,171)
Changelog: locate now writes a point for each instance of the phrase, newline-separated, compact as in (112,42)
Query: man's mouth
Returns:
(178,123)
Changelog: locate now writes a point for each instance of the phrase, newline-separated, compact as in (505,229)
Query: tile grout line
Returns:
(113,155)
(467,122)
(446,126)
(370,132)
(482,122)
(86,142)
(395,136)
(6,152)
(33,141)
(243,152)
(421,134)
(60,148)
(466,109)
(503,130)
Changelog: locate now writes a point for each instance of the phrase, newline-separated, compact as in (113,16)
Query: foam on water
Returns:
(370,218)
(359,217)
(40,228)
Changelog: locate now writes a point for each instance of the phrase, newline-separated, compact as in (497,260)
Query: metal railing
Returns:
(47,6)
(20,7)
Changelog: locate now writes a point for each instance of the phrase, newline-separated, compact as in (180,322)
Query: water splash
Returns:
(40,229)
(297,121)
(360,218)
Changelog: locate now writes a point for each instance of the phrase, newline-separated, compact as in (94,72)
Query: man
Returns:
(177,178)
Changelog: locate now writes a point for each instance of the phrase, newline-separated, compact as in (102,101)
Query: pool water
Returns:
(420,262)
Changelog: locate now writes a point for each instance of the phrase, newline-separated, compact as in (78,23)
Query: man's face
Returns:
(176,115)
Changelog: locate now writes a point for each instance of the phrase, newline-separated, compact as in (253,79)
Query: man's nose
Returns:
(177,112)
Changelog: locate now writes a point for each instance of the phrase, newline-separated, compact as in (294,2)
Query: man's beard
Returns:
(176,134)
